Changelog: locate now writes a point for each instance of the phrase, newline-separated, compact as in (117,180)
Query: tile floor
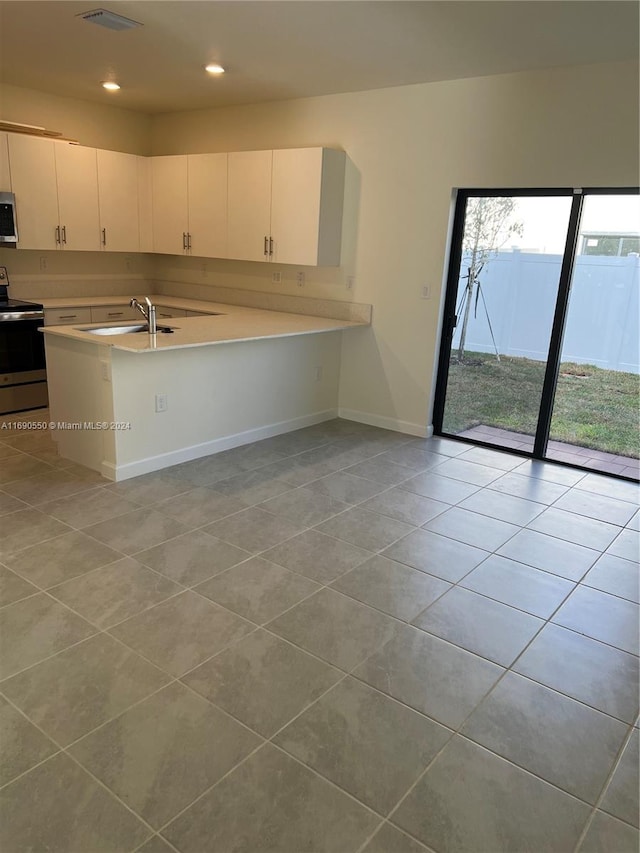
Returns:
(342,640)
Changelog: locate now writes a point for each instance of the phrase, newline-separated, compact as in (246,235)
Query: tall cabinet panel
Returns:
(295,205)
(118,197)
(5,175)
(170,204)
(249,208)
(306,206)
(207,193)
(77,177)
(145,203)
(33,180)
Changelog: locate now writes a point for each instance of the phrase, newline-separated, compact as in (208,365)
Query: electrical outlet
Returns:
(318,373)
(300,279)
(426,291)
(105,371)
(203,269)
(351,281)
(128,263)
(161,403)
(276,277)
(43,263)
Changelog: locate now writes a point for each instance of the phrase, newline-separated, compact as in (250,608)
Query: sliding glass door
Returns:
(596,404)
(540,308)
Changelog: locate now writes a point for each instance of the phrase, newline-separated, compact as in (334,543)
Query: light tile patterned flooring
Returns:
(340,640)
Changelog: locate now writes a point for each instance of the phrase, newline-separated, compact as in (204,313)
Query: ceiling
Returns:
(299,48)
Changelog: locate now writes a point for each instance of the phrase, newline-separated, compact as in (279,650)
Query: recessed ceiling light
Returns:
(112,87)
(214,68)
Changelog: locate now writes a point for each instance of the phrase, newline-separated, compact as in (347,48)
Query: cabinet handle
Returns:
(189,240)
(64,233)
(266,245)
(67,317)
(104,236)
(115,313)
(58,234)
(184,241)
(270,246)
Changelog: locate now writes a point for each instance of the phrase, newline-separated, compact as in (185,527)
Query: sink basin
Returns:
(129,329)
(118,330)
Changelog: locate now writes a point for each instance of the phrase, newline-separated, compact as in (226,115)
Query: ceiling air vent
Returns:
(107,19)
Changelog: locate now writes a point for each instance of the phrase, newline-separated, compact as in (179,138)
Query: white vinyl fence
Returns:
(520,291)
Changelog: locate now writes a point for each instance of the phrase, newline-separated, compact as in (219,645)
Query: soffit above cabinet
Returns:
(282,50)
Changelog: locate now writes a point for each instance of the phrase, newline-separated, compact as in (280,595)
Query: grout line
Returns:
(62,750)
(603,791)
(54,654)
(345,674)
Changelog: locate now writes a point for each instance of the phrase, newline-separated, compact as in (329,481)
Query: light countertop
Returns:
(233,323)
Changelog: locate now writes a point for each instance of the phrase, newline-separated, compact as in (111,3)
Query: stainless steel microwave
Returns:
(8,221)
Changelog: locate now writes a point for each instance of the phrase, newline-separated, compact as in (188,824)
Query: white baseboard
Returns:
(386,423)
(196,451)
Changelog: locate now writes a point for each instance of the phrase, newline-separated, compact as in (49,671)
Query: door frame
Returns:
(449,320)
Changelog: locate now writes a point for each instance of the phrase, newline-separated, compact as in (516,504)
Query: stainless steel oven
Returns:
(23,374)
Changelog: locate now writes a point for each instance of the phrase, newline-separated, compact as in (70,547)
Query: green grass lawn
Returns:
(594,408)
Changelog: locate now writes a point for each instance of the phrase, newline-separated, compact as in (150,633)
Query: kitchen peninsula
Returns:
(212,383)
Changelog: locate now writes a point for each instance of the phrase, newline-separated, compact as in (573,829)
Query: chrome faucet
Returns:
(149,315)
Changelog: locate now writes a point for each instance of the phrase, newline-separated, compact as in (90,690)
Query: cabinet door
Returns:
(5,175)
(249,208)
(113,313)
(306,206)
(164,313)
(207,182)
(66,316)
(118,197)
(33,180)
(144,204)
(77,177)
(169,204)
(295,205)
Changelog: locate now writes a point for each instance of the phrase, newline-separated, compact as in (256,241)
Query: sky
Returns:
(545,219)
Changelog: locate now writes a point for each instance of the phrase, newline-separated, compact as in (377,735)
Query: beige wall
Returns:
(95,125)
(409,147)
(75,273)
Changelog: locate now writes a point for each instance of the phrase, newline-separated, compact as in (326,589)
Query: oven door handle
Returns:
(16,316)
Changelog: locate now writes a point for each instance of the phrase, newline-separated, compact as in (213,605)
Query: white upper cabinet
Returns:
(207,197)
(286,206)
(190,205)
(33,179)
(5,174)
(77,179)
(307,191)
(249,208)
(283,205)
(56,189)
(145,204)
(118,201)
(170,204)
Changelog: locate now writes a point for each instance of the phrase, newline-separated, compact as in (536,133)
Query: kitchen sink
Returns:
(129,329)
